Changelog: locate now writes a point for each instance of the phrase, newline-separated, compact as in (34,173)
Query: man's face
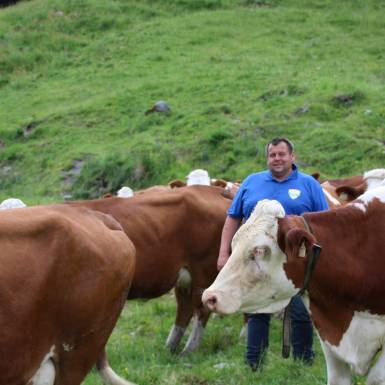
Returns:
(279,160)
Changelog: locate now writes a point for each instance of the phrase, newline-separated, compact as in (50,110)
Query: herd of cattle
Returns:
(98,253)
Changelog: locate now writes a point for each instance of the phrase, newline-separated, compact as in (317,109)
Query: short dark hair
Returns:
(278,140)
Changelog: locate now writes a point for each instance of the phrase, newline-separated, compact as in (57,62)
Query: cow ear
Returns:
(218,183)
(349,193)
(316,175)
(298,243)
(176,183)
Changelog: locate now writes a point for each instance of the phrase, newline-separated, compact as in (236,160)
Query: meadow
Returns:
(77,76)
(137,353)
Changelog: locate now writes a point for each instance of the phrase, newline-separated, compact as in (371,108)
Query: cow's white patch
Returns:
(125,192)
(195,336)
(374,177)
(198,176)
(360,343)
(294,193)
(184,279)
(45,375)
(359,206)
(12,203)
(67,347)
(368,196)
(331,198)
(110,377)
(174,337)
(363,200)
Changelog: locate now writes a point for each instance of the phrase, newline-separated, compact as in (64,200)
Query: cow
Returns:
(275,257)
(341,191)
(370,180)
(176,236)
(64,277)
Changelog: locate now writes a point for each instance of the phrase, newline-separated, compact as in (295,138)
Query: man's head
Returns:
(280,157)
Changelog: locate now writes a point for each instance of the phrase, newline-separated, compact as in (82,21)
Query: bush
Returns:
(107,175)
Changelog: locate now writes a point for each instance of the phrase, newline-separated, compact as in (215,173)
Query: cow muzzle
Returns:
(210,301)
(218,302)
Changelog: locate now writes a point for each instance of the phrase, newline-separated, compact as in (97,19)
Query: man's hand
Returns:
(229,229)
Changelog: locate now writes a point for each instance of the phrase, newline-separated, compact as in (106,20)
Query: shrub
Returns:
(106,175)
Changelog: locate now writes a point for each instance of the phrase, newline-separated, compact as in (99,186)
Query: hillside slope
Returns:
(76,78)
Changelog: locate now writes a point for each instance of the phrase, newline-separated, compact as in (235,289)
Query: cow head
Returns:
(176,183)
(374,178)
(254,279)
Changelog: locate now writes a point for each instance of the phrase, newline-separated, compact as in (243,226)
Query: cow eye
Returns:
(259,252)
(262,253)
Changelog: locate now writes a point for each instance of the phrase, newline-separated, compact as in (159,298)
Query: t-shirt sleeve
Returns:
(236,208)
(319,199)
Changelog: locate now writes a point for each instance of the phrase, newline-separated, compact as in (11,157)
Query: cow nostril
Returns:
(211,302)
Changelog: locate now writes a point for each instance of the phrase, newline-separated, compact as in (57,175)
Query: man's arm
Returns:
(319,200)
(229,229)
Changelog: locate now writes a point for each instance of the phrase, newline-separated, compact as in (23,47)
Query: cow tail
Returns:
(107,374)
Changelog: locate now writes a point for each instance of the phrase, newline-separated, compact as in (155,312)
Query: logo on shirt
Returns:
(294,193)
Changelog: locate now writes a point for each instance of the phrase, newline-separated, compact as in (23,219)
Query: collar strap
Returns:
(286,332)
(312,259)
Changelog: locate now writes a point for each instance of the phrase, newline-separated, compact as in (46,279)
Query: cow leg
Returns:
(195,337)
(108,376)
(201,317)
(201,279)
(376,374)
(184,312)
(338,371)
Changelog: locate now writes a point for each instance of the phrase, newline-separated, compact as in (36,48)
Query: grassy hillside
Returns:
(76,78)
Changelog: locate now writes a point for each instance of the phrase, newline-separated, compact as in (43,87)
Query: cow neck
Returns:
(312,258)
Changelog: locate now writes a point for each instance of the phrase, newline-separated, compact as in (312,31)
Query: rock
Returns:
(159,106)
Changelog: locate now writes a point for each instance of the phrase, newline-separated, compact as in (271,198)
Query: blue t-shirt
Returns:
(297,194)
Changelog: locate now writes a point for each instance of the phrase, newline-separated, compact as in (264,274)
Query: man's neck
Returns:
(280,178)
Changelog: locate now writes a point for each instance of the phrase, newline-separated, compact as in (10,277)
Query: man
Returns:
(298,193)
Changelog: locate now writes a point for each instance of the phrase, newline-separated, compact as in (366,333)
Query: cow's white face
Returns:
(253,279)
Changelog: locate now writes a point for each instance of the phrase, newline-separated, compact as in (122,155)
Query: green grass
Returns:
(136,351)
(236,73)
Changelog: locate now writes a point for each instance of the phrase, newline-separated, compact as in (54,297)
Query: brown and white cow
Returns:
(346,291)
(370,180)
(176,235)
(64,278)
(340,191)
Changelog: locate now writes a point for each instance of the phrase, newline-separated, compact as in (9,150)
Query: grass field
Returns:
(137,352)
(77,76)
